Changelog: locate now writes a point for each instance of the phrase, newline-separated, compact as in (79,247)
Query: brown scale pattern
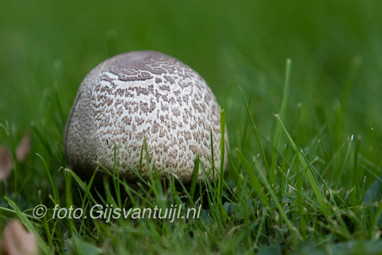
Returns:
(137,95)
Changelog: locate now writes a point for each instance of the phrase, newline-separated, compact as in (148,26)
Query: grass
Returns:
(304,168)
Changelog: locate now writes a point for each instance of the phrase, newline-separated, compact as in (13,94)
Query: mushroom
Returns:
(143,95)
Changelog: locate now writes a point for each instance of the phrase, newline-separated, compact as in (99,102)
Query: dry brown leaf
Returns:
(24,147)
(16,240)
(6,162)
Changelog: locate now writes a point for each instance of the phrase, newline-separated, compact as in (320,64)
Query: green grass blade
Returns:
(311,178)
(222,154)
(117,187)
(256,131)
(282,112)
(52,184)
(280,209)
(194,177)
(81,184)
(253,179)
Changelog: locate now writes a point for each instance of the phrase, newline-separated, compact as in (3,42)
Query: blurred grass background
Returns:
(47,48)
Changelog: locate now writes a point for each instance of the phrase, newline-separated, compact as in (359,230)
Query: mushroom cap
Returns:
(143,95)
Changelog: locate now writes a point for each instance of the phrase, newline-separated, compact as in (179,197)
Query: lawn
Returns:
(300,83)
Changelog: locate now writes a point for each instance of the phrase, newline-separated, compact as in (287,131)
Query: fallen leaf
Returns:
(16,240)
(6,162)
(24,147)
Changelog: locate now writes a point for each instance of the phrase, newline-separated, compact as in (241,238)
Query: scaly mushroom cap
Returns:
(137,95)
